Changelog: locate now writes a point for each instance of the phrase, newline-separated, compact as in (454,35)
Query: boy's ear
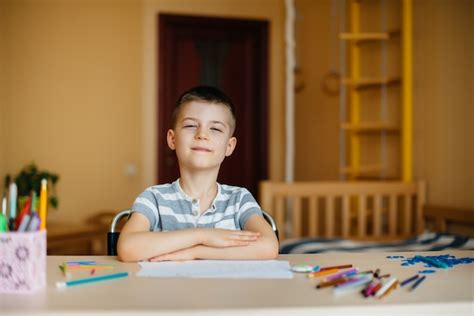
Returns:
(170,138)
(231,143)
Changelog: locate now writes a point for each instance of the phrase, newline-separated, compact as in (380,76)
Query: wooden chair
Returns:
(349,210)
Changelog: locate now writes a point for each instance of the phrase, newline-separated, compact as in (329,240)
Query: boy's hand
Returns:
(222,238)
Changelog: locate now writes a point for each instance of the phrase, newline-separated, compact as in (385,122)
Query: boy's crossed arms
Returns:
(257,241)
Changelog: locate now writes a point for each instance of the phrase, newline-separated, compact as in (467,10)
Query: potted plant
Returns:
(29,179)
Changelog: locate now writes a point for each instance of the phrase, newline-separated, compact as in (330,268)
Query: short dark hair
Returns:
(204,93)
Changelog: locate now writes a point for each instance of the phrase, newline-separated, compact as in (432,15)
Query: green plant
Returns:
(29,179)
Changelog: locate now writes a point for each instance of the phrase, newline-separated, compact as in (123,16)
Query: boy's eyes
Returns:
(215,129)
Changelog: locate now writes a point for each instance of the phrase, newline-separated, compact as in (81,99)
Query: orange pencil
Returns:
(322,273)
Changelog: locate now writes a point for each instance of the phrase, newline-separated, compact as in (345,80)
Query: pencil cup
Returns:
(22,261)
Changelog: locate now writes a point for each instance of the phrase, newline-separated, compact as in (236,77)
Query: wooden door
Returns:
(230,54)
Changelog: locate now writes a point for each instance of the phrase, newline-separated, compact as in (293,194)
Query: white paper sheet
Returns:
(261,269)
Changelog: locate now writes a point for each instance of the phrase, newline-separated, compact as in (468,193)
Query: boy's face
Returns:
(202,135)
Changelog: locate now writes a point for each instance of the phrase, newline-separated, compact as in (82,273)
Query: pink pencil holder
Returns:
(22,261)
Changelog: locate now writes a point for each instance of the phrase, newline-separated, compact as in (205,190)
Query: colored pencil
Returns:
(331,283)
(389,290)
(341,274)
(344,266)
(415,285)
(322,273)
(352,285)
(411,279)
(91,279)
(385,286)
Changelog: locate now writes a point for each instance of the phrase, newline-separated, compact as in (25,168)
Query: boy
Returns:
(195,217)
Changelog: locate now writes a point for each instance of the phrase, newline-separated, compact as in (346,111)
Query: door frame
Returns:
(259,27)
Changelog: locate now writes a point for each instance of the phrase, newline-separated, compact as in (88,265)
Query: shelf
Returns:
(361,169)
(368,36)
(365,83)
(362,177)
(370,127)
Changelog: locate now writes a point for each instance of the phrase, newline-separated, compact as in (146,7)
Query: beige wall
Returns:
(316,113)
(2,96)
(73,102)
(443,98)
(81,96)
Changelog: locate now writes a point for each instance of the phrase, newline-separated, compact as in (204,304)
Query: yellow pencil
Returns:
(43,203)
(89,267)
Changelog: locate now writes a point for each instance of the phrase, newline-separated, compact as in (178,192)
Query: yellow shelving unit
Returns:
(356,82)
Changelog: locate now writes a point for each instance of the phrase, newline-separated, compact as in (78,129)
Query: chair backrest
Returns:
(113,234)
(352,210)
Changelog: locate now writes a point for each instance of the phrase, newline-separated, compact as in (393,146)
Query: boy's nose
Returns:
(201,134)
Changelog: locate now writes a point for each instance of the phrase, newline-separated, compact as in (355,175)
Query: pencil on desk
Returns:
(342,274)
(344,266)
(91,279)
(415,285)
(411,279)
(321,273)
(324,284)
(371,288)
(389,290)
(89,267)
(352,285)
(385,286)
(63,269)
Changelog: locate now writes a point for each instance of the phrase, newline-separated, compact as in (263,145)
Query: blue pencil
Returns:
(417,282)
(413,278)
(91,279)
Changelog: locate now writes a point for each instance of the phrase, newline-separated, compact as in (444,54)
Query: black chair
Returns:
(113,235)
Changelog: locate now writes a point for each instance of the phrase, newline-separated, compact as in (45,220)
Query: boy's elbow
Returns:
(124,252)
(271,249)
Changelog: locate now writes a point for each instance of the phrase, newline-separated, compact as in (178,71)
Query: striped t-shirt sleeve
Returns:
(147,204)
(247,207)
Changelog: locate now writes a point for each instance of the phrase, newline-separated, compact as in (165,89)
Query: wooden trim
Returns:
(313,216)
(444,215)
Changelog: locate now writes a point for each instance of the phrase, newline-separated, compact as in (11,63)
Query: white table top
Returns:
(446,292)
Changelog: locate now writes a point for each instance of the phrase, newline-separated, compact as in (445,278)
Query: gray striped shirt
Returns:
(168,208)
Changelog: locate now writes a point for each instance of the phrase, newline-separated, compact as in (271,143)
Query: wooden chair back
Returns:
(349,210)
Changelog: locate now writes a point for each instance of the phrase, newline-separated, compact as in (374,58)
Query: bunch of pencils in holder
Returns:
(29,218)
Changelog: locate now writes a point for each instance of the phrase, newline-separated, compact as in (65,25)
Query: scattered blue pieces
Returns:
(395,257)
(426,271)
(447,261)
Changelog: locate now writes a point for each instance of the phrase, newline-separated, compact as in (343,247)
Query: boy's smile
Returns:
(201,149)
(202,136)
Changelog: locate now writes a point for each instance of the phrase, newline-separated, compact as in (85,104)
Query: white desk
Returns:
(446,292)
